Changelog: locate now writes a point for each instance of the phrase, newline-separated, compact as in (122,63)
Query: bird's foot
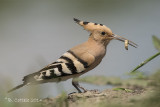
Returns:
(94,91)
(84,90)
(72,93)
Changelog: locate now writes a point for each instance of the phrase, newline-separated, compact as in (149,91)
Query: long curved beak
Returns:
(117,37)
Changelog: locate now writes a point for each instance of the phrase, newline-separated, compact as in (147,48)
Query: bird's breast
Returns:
(97,51)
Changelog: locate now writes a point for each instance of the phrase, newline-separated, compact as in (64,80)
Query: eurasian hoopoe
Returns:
(79,59)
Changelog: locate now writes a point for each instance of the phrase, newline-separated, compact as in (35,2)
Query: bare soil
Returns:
(94,98)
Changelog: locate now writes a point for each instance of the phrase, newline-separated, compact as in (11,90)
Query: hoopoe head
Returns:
(101,33)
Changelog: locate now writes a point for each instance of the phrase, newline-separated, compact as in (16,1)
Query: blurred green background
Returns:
(34,33)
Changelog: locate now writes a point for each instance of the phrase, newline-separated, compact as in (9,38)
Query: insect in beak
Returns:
(120,38)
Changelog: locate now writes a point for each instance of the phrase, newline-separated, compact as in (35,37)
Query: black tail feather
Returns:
(17,87)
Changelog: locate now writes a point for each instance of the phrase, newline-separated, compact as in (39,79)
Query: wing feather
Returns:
(67,65)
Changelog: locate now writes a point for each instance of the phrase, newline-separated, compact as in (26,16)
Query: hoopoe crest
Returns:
(79,59)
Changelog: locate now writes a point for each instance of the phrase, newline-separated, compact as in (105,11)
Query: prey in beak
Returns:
(120,38)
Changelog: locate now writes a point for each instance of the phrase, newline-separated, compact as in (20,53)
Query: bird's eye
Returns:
(103,33)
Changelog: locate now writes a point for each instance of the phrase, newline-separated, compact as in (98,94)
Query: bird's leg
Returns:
(77,86)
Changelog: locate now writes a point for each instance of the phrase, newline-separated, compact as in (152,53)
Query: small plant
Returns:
(156,42)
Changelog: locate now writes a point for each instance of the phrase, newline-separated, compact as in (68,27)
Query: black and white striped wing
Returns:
(68,64)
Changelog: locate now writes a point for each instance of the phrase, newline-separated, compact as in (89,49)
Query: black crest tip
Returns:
(76,20)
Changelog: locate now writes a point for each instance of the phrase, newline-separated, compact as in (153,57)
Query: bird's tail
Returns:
(17,87)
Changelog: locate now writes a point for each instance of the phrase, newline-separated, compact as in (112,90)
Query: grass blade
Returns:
(156,42)
(146,61)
